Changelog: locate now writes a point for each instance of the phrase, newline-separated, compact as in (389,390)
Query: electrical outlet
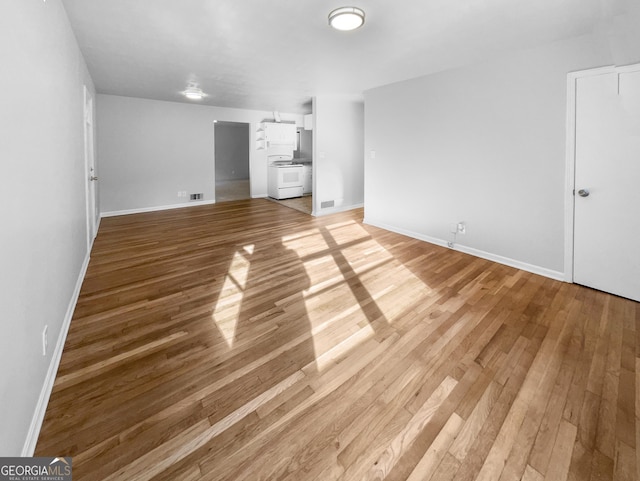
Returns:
(462,228)
(45,340)
(179,193)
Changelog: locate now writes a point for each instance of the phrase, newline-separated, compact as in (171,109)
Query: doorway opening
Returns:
(231,154)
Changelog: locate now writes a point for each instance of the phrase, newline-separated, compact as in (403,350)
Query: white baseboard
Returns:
(335,210)
(542,271)
(155,209)
(408,233)
(38,416)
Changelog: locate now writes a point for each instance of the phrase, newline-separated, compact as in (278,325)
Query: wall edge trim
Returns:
(142,210)
(45,393)
(542,271)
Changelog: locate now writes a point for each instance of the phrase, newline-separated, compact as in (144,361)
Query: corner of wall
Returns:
(38,416)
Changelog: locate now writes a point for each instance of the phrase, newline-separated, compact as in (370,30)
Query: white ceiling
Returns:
(276,55)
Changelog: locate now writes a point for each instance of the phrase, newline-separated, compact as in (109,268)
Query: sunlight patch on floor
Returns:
(305,243)
(358,274)
(227,309)
(332,356)
(345,232)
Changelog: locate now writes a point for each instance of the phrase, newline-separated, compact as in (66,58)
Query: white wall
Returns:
(42,200)
(338,153)
(231,151)
(621,30)
(483,144)
(149,150)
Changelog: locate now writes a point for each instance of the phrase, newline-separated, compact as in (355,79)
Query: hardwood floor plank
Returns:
(530,474)
(517,460)
(79,375)
(606,431)
(432,459)
(388,459)
(547,432)
(561,456)
(601,467)
(474,423)
(248,341)
(411,457)
(179,447)
(477,453)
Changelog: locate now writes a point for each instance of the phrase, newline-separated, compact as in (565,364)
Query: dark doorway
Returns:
(232,174)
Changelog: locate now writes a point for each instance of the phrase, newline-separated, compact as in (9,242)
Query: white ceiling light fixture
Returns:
(346,18)
(193,93)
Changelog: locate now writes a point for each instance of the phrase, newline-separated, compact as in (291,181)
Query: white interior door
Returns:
(607,183)
(90,169)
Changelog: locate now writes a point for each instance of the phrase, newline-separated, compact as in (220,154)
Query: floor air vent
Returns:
(326,204)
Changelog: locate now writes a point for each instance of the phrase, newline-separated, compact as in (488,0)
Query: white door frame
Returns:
(93,220)
(570,166)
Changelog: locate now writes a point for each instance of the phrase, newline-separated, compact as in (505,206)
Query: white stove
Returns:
(285,180)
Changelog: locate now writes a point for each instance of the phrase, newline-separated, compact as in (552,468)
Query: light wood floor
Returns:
(303,204)
(249,341)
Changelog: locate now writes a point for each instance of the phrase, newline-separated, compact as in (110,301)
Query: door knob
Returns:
(93,177)
(583,193)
